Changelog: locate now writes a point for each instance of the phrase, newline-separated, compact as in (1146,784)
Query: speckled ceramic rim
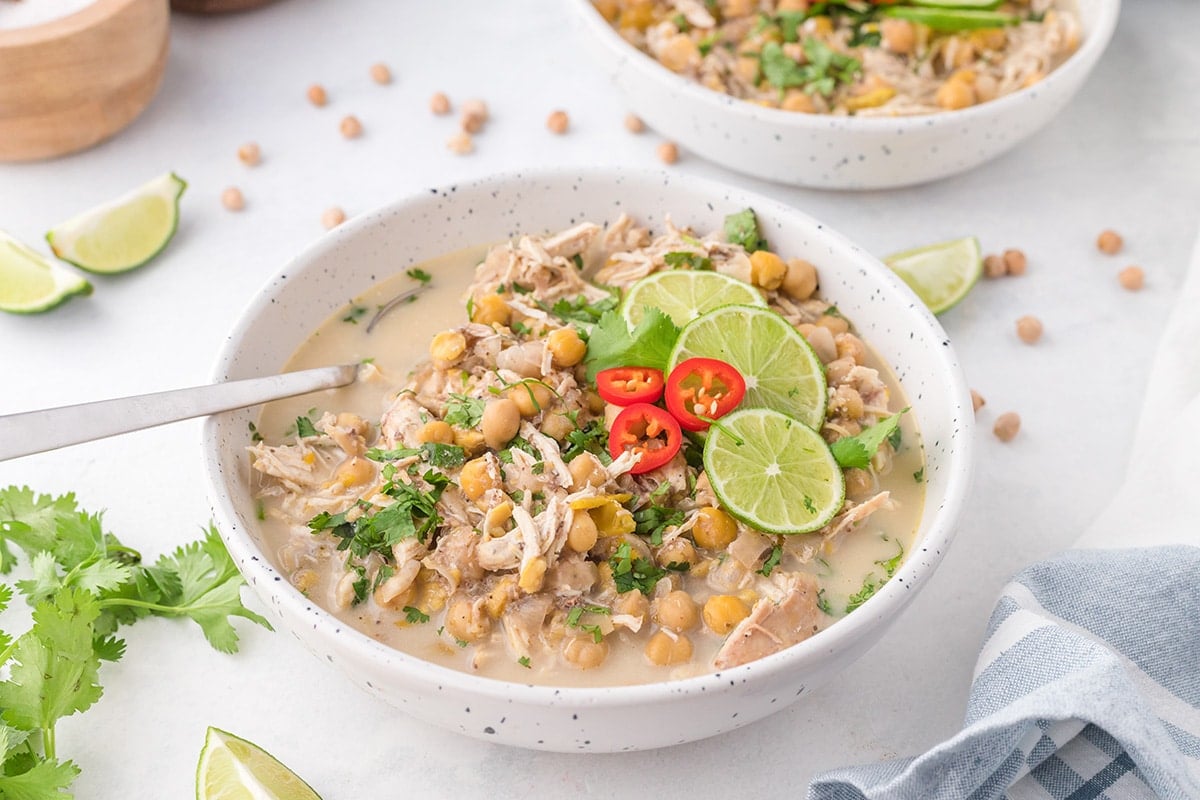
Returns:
(1100,32)
(843,635)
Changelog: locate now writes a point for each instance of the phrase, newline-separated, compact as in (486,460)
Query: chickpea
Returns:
(977,401)
(1029,329)
(1132,278)
(714,529)
(500,422)
(496,518)
(1015,262)
(859,483)
(249,154)
(464,622)
(1007,425)
(381,74)
(796,100)
(233,199)
(838,371)
(899,36)
(558,122)
(848,402)
(317,95)
(633,604)
(586,470)
(306,580)
(530,397)
(332,217)
(351,127)
(491,309)
(474,114)
(851,347)
(595,403)
(634,124)
(582,535)
(766,270)
(801,279)
(994,266)
(471,441)
(1110,242)
(565,346)
(475,478)
(439,104)
(668,152)
(820,338)
(677,611)
(955,94)
(665,650)
(678,53)
(461,144)
(585,652)
(353,422)
(436,431)
(533,575)
(447,347)
(722,613)
(557,426)
(834,323)
(677,551)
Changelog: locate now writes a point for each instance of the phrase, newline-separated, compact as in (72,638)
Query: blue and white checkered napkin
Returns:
(1088,684)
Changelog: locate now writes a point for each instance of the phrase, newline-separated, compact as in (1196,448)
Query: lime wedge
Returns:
(941,274)
(30,283)
(125,233)
(684,294)
(781,371)
(232,768)
(773,473)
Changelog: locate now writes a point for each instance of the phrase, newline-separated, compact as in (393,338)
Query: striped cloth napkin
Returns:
(1088,683)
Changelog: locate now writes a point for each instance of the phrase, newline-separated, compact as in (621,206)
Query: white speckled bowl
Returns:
(828,152)
(355,255)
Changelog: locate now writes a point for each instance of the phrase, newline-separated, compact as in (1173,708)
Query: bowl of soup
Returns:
(633,441)
(847,95)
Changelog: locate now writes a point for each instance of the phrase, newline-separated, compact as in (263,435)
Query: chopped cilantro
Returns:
(631,573)
(919,475)
(305,427)
(463,411)
(255,436)
(524,662)
(856,451)
(591,438)
(683,260)
(355,314)
(869,587)
(742,229)
(890,565)
(825,70)
(809,506)
(577,260)
(579,309)
(412,515)
(653,520)
(677,566)
(414,615)
(521,328)
(418,274)
(823,603)
(772,562)
(649,344)
(446,456)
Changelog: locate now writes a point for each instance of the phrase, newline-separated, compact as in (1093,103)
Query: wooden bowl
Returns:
(77,80)
(216,6)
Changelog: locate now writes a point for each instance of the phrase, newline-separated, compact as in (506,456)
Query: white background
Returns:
(1125,154)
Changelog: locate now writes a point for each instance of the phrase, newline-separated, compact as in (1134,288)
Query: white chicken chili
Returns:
(854,57)
(475,501)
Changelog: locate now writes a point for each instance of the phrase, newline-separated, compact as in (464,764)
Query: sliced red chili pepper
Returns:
(703,387)
(646,429)
(624,386)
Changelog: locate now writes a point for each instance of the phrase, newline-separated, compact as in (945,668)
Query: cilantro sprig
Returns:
(613,344)
(856,451)
(631,573)
(742,229)
(825,71)
(83,585)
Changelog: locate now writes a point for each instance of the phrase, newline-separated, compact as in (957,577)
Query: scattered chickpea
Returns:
(381,74)
(447,347)
(977,401)
(565,346)
(439,104)
(955,94)
(1132,278)
(664,650)
(558,122)
(491,309)
(801,279)
(722,612)
(475,479)
(435,431)
(668,152)
(474,114)
(461,144)
(464,623)
(767,270)
(1029,329)
(1015,262)
(1110,242)
(584,652)
(1007,425)
(835,324)
(714,529)
(500,422)
(350,127)
(233,199)
(317,95)
(586,470)
(583,533)
(634,124)
(530,397)
(332,217)
(249,154)
(899,36)
(994,266)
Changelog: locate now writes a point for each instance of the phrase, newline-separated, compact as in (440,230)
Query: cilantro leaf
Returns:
(418,274)
(649,344)
(772,562)
(29,521)
(855,452)
(579,309)
(631,573)
(463,411)
(414,615)
(742,229)
(591,438)
(305,427)
(653,520)
(890,565)
(684,260)
(825,71)
(870,585)
(47,779)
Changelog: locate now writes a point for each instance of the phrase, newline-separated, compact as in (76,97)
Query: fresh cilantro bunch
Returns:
(83,585)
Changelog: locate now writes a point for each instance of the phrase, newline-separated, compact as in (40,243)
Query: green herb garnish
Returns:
(463,411)
(631,573)
(855,452)
(742,229)
(414,615)
(649,344)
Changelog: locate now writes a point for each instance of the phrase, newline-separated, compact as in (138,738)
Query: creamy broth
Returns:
(400,342)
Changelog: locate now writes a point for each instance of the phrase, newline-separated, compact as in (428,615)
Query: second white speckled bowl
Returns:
(839,152)
(355,255)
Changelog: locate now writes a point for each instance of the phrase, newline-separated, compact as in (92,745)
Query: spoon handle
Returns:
(49,429)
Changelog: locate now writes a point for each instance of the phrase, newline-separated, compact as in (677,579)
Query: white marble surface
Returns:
(1125,154)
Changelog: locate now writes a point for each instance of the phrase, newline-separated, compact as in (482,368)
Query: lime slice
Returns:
(30,283)
(231,768)
(684,294)
(773,473)
(941,274)
(123,234)
(781,371)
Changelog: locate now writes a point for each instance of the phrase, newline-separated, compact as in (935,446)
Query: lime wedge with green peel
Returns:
(684,294)
(941,274)
(232,768)
(782,372)
(772,472)
(30,283)
(124,234)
